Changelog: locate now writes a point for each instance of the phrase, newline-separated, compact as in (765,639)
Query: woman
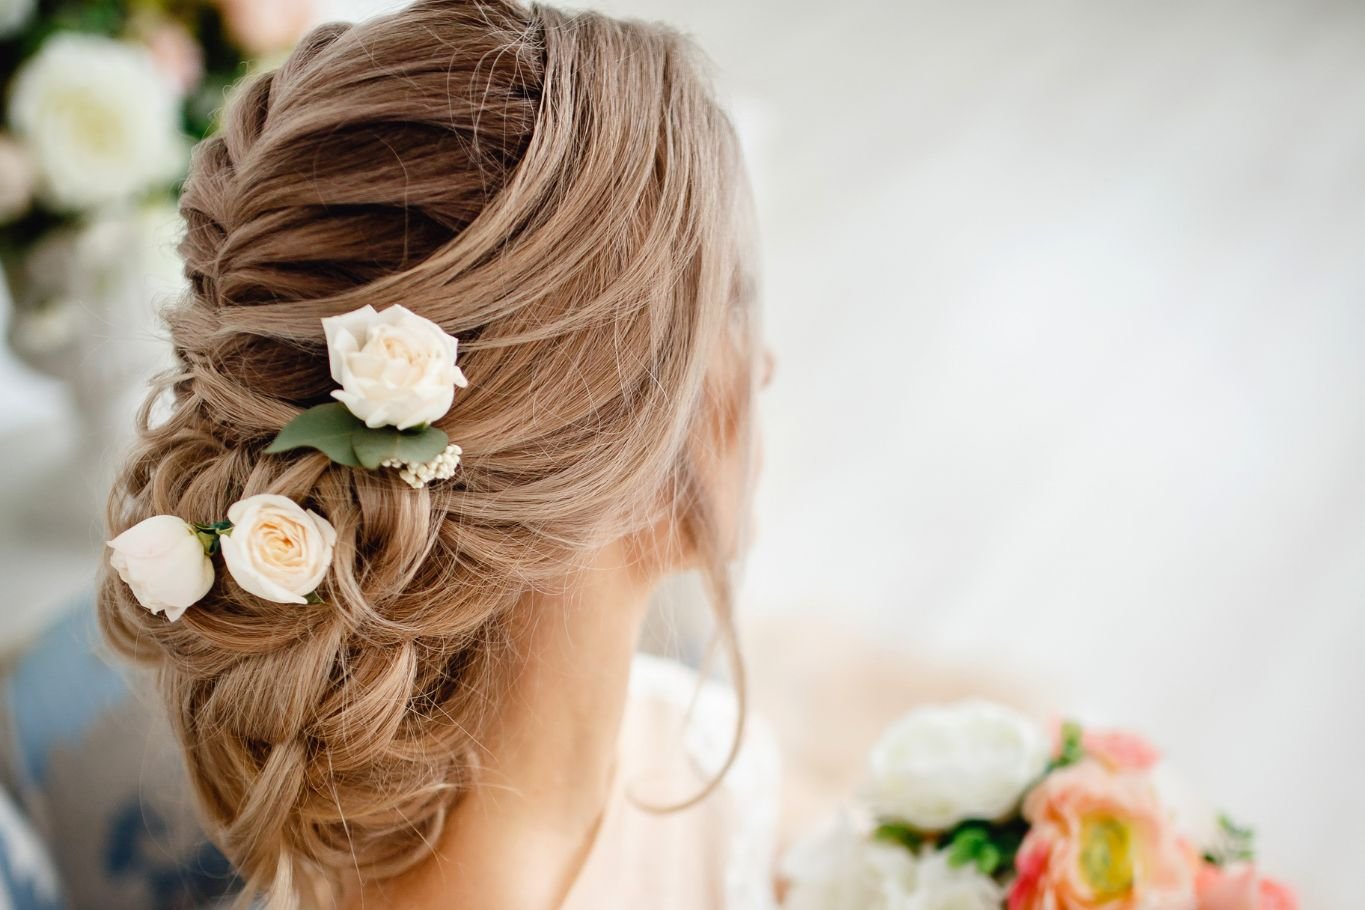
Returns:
(449,718)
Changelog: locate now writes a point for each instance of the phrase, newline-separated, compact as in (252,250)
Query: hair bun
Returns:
(558,192)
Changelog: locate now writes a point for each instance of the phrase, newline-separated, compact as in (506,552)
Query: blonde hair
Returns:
(563,193)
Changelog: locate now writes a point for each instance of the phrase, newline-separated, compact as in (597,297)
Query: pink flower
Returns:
(1240,888)
(262,27)
(1119,750)
(1030,864)
(1099,838)
(175,53)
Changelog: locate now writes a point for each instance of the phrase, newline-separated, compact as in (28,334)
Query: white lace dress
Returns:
(716,855)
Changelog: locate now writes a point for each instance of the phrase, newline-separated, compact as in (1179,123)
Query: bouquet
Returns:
(974,806)
(100,101)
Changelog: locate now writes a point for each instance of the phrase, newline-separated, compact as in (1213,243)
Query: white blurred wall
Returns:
(1068,300)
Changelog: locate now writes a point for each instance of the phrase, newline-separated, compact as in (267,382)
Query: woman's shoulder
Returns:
(675,737)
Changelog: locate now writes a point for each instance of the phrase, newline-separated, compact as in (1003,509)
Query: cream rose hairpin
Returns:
(272,547)
(398,373)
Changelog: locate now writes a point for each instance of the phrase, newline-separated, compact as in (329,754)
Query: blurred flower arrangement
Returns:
(975,807)
(101,102)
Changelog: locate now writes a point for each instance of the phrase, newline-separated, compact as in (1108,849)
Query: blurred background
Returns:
(1068,304)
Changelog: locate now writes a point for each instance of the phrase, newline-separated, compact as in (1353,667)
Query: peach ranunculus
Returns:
(1239,887)
(262,27)
(1120,750)
(1099,838)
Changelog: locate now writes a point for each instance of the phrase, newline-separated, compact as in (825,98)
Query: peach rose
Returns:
(1099,838)
(1240,888)
(276,549)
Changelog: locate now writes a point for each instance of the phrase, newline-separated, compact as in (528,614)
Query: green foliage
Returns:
(337,433)
(990,846)
(328,428)
(209,535)
(1071,750)
(1235,844)
(375,446)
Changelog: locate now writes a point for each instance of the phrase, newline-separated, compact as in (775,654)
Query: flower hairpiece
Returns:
(398,373)
(272,547)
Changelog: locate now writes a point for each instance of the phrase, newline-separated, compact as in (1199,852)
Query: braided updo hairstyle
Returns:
(563,194)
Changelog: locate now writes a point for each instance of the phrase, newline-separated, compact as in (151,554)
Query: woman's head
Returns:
(563,194)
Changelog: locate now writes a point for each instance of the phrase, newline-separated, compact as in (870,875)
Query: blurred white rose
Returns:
(16,180)
(277,549)
(395,368)
(14,15)
(162,559)
(838,868)
(100,122)
(941,765)
(939,886)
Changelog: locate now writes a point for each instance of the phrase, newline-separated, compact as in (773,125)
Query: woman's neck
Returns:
(549,758)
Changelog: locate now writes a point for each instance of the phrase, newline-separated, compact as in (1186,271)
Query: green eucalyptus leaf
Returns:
(374,446)
(327,428)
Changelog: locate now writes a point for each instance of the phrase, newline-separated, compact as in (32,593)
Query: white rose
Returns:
(940,886)
(276,549)
(16,180)
(395,368)
(838,868)
(938,766)
(99,120)
(14,15)
(162,559)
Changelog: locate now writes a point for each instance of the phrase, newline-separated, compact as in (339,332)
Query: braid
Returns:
(532,182)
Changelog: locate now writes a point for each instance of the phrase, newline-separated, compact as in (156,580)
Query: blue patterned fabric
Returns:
(28,880)
(93,763)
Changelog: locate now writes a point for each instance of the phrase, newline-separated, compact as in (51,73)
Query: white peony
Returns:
(98,118)
(395,368)
(837,868)
(17,179)
(938,766)
(940,886)
(14,15)
(162,559)
(276,549)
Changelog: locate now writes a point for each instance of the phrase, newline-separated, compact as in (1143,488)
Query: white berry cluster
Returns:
(416,474)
